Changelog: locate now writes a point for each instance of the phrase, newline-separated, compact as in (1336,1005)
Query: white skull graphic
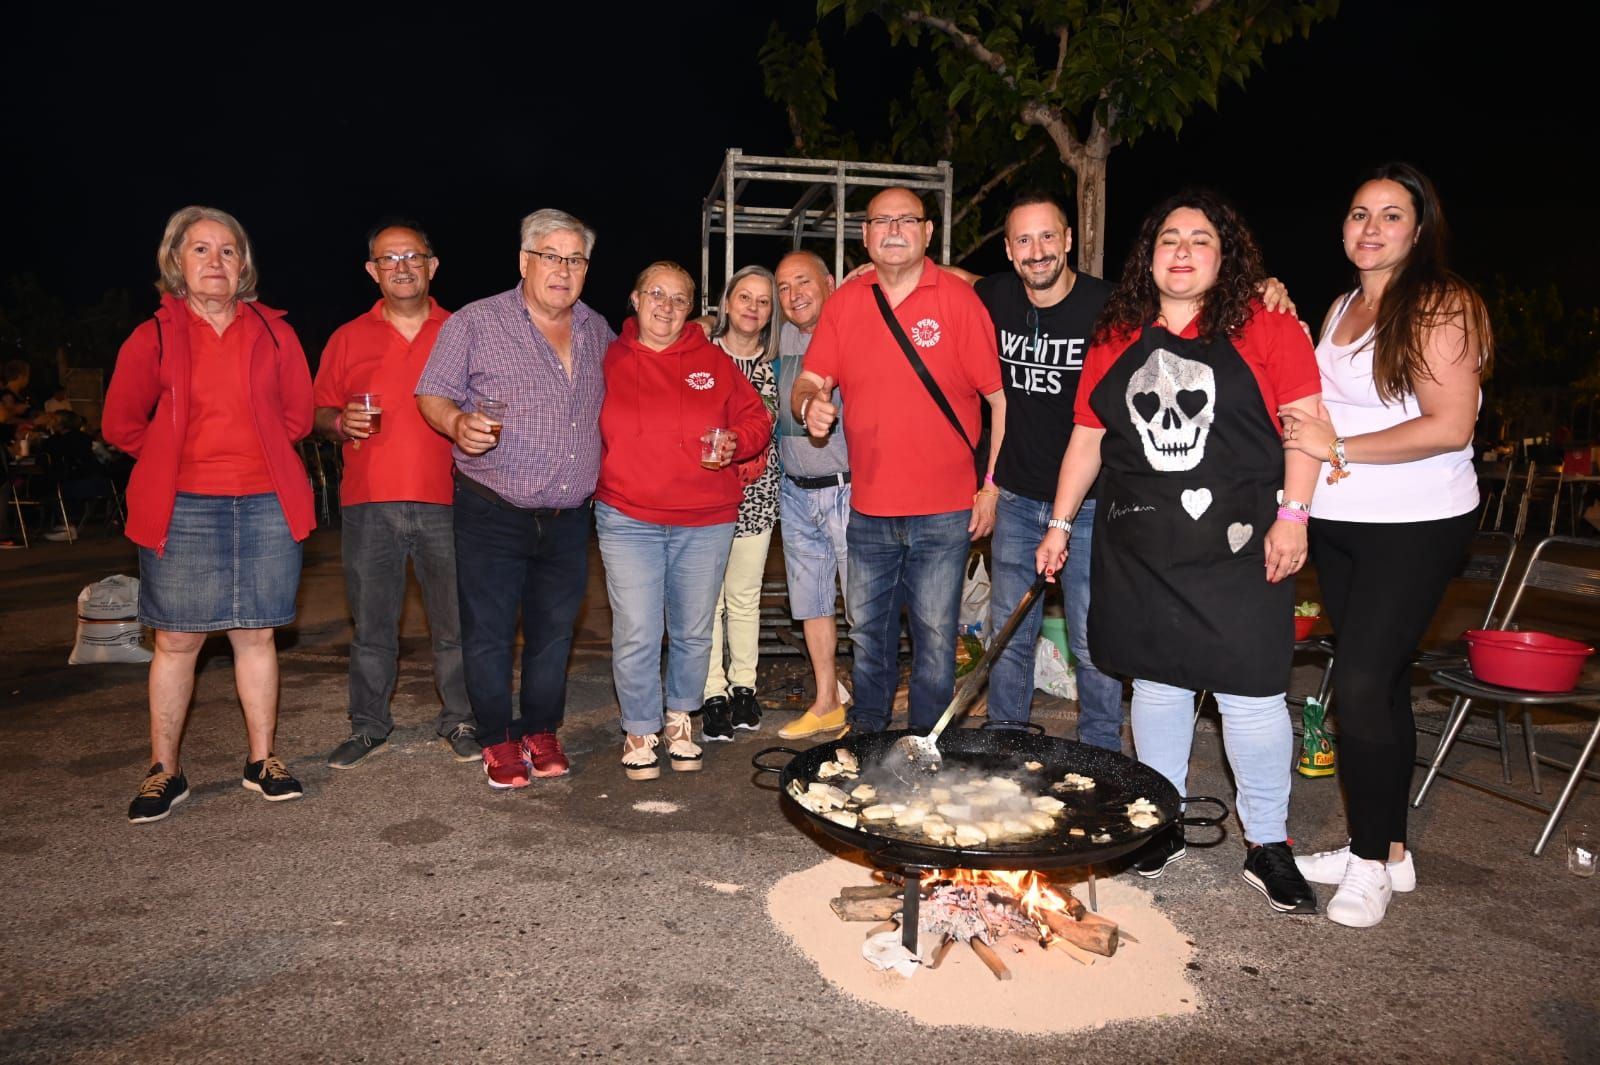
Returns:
(1171,401)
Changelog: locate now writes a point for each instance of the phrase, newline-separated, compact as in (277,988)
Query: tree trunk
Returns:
(1091,242)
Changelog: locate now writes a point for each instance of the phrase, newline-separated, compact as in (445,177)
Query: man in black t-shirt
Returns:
(1044,317)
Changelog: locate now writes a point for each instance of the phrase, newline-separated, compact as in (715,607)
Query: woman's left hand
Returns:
(1286,550)
(727,445)
(1306,433)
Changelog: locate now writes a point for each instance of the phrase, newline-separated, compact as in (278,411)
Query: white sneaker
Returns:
(1363,895)
(1327,867)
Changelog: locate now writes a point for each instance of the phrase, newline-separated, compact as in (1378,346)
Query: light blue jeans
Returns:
(655,573)
(1019,526)
(917,562)
(1256,736)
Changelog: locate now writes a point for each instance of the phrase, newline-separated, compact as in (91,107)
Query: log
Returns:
(990,958)
(1094,933)
(940,951)
(879,929)
(880,909)
(871,891)
(1082,957)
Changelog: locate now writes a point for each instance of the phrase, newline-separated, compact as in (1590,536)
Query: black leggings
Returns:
(1381,584)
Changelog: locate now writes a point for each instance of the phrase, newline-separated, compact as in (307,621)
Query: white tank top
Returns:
(1442,486)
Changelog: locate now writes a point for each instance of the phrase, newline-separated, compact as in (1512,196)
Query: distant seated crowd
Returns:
(1155,445)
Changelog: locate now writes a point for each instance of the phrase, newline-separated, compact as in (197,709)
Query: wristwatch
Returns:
(1060,523)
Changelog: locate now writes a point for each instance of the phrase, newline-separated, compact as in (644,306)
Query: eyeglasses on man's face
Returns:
(676,300)
(392,261)
(575,263)
(904,221)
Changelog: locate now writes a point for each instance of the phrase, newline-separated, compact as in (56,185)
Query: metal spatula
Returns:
(922,752)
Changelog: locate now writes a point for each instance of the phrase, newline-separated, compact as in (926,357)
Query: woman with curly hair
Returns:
(1402,357)
(1201,515)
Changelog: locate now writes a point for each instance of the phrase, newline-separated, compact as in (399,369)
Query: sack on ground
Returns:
(108,624)
(973,619)
(1052,673)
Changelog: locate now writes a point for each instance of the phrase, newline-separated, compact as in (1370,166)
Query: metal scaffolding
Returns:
(819,213)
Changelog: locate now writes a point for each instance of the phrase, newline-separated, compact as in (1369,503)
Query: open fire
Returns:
(981,908)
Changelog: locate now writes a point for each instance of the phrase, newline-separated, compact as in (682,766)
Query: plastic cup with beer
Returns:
(370,404)
(493,411)
(711,447)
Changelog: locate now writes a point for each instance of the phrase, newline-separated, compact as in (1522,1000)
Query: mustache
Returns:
(1041,261)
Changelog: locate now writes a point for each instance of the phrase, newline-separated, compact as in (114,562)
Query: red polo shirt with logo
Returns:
(905,456)
(406,461)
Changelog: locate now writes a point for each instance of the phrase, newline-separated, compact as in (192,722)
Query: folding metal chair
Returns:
(1576,579)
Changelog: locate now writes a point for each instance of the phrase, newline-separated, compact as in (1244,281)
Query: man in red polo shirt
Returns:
(396,493)
(913,512)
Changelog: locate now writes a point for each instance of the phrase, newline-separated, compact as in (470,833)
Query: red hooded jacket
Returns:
(658,404)
(147,415)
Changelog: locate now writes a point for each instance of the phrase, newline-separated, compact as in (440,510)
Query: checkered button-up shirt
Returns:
(549,450)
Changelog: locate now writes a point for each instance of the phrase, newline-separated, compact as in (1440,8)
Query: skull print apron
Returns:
(1191,464)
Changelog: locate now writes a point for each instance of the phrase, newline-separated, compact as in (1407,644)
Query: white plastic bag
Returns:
(108,624)
(973,619)
(1052,673)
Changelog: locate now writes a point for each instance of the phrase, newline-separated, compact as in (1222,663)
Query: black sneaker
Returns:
(271,778)
(463,741)
(355,750)
(746,711)
(159,793)
(1270,869)
(716,726)
(1164,848)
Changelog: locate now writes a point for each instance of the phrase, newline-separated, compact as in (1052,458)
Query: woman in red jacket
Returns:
(665,508)
(209,397)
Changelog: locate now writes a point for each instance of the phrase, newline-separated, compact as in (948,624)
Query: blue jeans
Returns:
(917,562)
(511,561)
(1018,528)
(377,540)
(1256,736)
(655,572)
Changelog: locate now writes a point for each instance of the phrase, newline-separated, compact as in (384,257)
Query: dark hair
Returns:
(1225,307)
(1036,197)
(1424,295)
(398,223)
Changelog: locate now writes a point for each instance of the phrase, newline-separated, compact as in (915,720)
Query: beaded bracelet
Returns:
(1336,460)
(1299,517)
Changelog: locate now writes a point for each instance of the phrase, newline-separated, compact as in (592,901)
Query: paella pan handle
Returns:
(1204,822)
(763,767)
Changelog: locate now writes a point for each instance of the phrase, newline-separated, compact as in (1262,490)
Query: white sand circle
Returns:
(1049,992)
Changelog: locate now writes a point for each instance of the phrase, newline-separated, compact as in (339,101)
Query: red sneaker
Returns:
(544,755)
(503,765)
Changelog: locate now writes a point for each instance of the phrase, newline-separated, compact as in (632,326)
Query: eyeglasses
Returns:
(905,221)
(677,300)
(574,263)
(392,262)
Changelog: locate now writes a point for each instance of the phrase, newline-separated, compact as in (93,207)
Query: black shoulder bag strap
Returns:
(918,365)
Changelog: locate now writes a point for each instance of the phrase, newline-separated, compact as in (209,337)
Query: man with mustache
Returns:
(1044,315)
(913,510)
(396,493)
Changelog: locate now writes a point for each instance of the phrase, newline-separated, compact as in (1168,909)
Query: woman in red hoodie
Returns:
(209,397)
(665,517)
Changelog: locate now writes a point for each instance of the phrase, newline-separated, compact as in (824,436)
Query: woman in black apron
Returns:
(1202,515)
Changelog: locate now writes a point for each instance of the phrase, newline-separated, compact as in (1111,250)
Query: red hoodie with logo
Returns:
(658,405)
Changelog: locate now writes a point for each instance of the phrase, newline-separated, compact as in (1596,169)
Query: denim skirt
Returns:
(230,563)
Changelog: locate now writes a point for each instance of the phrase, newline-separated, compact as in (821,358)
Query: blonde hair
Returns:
(671,268)
(169,256)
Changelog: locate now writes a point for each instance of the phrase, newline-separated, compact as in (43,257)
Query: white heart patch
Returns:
(1196,501)
(1239,535)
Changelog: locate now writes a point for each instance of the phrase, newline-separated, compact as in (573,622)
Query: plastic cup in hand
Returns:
(371,404)
(1581,857)
(711,447)
(493,412)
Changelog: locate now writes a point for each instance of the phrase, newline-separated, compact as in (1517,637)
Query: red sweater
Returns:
(658,404)
(147,415)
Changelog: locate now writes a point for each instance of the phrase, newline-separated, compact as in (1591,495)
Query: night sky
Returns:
(309,126)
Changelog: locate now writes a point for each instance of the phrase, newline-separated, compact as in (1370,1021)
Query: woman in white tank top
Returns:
(1402,358)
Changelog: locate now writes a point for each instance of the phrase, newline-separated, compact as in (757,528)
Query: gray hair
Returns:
(769,333)
(542,223)
(169,256)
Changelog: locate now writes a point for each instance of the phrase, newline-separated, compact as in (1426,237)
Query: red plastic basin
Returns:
(1531,661)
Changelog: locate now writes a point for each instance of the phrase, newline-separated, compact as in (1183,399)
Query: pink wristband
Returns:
(1299,517)
(988,478)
